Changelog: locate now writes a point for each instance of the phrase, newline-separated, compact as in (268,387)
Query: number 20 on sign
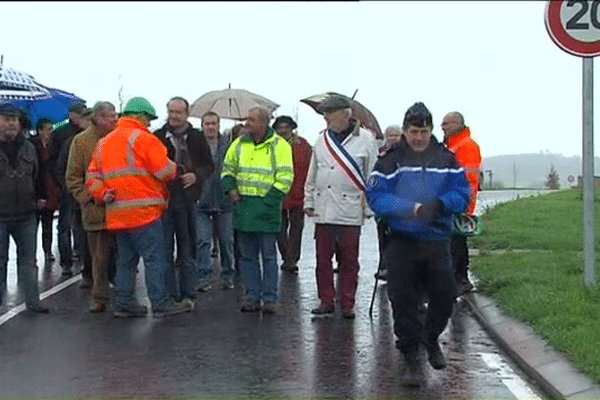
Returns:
(574,26)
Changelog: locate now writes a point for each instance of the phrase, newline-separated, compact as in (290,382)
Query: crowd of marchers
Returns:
(123,193)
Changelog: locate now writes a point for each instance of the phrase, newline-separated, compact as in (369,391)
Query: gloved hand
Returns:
(430,210)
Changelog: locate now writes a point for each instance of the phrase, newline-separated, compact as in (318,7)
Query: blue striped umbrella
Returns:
(22,90)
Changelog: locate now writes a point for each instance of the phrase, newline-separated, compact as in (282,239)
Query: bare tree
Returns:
(121,97)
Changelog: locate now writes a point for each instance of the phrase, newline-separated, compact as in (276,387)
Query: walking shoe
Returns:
(413,374)
(38,308)
(348,313)
(97,307)
(67,271)
(269,307)
(249,305)
(381,274)
(436,357)
(289,267)
(227,284)
(188,303)
(464,286)
(49,258)
(172,307)
(204,287)
(323,310)
(86,283)
(131,311)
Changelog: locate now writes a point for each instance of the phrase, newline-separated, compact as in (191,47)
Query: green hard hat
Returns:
(139,105)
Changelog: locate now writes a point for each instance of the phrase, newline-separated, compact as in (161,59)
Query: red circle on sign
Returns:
(562,38)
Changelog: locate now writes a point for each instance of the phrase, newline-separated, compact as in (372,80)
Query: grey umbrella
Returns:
(230,103)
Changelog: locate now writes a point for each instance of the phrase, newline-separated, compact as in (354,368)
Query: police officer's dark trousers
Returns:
(418,267)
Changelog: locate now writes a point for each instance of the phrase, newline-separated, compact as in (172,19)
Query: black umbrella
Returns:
(360,112)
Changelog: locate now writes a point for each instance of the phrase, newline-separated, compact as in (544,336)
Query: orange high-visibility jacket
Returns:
(134,163)
(468,155)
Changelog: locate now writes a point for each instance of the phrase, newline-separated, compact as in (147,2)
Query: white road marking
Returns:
(511,380)
(13,312)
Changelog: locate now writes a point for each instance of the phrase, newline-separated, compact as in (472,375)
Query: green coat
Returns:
(263,174)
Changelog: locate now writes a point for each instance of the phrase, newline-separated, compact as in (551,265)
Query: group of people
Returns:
(137,193)
(124,192)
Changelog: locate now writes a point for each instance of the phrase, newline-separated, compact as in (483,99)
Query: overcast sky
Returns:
(492,61)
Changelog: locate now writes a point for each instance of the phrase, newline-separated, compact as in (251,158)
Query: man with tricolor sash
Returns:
(334,195)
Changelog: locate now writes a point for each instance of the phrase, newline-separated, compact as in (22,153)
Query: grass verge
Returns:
(543,287)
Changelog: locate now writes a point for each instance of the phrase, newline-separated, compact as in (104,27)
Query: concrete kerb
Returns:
(553,372)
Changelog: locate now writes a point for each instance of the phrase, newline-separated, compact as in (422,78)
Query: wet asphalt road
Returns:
(218,351)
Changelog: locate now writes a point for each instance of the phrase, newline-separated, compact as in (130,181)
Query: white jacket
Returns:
(329,191)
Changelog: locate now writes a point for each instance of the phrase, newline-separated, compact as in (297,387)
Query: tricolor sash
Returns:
(344,159)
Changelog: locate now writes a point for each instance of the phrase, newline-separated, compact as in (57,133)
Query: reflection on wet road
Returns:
(219,351)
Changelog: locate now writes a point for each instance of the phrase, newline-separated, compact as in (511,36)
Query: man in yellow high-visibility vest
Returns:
(257,173)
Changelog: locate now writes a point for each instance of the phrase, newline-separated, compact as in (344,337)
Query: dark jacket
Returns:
(403,177)
(18,185)
(202,164)
(213,198)
(62,142)
(46,187)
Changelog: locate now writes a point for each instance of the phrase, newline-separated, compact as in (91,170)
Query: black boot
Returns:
(413,373)
(436,357)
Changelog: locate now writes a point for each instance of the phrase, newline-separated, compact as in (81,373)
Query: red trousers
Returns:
(341,240)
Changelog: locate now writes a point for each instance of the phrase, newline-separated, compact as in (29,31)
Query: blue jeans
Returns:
(178,221)
(147,242)
(252,244)
(24,233)
(204,233)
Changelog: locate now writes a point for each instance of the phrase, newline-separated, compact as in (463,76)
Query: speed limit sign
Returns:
(574,26)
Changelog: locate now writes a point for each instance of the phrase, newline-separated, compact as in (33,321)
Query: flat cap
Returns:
(334,103)
(10,109)
(284,119)
(78,107)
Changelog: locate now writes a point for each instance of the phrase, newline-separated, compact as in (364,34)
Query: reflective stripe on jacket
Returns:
(134,163)
(262,173)
(403,177)
(468,156)
(259,167)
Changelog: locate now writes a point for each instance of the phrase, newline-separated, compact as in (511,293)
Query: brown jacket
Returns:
(80,154)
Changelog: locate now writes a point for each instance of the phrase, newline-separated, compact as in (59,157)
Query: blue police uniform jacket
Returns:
(402,177)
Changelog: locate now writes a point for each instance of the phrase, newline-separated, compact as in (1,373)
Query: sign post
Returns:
(574,26)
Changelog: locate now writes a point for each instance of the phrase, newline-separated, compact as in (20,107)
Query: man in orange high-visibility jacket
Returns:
(457,138)
(128,173)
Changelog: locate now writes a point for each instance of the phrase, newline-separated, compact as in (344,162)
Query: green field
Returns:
(544,285)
